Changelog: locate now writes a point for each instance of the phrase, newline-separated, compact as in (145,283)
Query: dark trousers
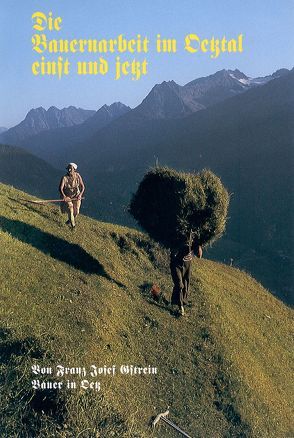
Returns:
(181,275)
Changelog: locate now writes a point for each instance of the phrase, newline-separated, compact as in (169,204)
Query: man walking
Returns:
(71,188)
(181,268)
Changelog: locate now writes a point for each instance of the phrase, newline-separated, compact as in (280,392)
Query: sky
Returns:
(266,26)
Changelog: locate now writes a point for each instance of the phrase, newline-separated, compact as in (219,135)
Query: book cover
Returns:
(128,129)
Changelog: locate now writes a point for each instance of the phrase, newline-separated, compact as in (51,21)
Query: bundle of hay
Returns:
(174,207)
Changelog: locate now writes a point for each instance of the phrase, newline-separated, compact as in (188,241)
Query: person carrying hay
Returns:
(183,212)
(71,188)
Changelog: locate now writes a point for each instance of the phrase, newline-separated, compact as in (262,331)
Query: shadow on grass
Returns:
(9,348)
(55,247)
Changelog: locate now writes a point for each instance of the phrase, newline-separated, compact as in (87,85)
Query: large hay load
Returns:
(175,207)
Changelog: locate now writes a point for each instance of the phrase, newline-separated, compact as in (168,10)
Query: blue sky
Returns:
(267,26)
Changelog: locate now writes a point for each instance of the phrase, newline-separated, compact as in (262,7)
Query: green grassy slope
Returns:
(81,298)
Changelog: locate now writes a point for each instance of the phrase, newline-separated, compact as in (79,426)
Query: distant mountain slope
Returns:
(27,172)
(2,129)
(247,140)
(169,100)
(38,120)
(83,298)
(55,145)
(106,114)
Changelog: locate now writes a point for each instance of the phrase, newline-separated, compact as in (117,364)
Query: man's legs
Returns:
(178,289)
(187,269)
(70,212)
(76,207)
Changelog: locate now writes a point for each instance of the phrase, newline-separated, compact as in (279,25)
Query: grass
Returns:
(81,298)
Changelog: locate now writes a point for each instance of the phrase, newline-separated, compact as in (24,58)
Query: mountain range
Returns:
(39,120)
(169,100)
(50,134)
(54,145)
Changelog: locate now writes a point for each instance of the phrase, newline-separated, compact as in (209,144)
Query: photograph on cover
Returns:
(146,225)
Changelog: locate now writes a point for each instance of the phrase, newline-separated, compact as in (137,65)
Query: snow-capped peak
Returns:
(243,81)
